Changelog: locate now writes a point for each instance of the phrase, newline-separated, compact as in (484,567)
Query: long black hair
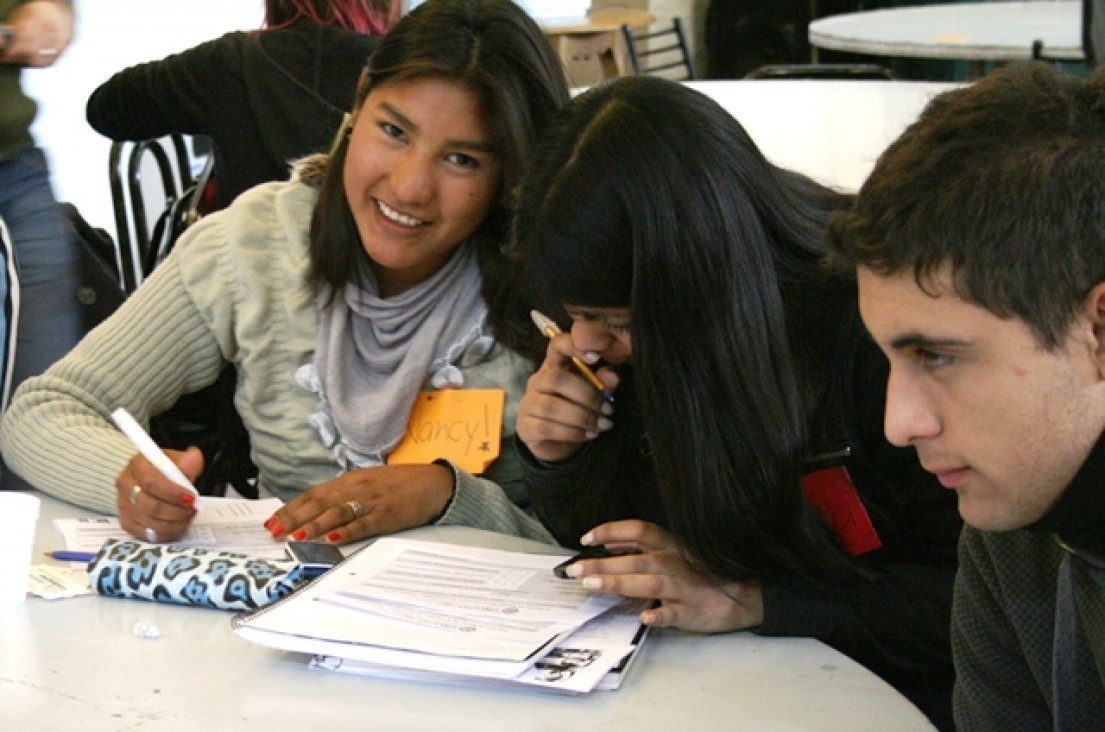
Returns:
(648,194)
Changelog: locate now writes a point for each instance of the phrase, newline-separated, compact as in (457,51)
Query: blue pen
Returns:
(64,556)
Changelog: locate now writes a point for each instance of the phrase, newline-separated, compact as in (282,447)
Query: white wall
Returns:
(111,35)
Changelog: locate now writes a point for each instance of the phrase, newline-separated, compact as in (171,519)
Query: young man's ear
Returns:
(1095,311)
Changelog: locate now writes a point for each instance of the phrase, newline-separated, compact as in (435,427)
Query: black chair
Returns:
(1093,36)
(662,52)
(1093,30)
(822,71)
(173,200)
(137,200)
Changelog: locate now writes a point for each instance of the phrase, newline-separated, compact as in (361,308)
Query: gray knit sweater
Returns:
(1028,635)
(233,290)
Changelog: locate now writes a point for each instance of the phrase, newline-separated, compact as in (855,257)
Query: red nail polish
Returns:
(277,530)
(268,524)
(333,536)
(299,535)
(188,499)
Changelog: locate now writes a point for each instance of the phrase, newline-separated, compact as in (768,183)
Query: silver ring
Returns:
(47,52)
(134,494)
(356,508)
(151,535)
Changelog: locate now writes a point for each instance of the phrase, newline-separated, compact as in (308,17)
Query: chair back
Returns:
(663,52)
(1093,30)
(822,71)
(148,180)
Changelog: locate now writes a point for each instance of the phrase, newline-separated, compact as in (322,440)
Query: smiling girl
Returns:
(339,296)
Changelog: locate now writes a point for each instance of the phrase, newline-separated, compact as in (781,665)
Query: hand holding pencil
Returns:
(565,404)
(549,327)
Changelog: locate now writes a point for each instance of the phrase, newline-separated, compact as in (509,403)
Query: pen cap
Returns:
(190,576)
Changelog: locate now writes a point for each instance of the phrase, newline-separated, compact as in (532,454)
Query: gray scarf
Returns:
(373,355)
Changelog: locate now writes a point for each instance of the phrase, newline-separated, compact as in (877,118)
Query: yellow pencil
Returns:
(547,326)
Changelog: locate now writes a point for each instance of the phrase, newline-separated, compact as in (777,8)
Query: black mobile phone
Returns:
(314,557)
(591,552)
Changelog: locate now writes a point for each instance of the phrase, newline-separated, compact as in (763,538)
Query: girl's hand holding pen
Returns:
(561,409)
(152,507)
(688,600)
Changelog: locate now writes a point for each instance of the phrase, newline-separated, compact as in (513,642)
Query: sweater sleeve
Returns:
(57,433)
(559,492)
(864,619)
(1002,676)
(183,92)
(498,501)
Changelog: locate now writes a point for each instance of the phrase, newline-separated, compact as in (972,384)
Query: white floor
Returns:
(111,35)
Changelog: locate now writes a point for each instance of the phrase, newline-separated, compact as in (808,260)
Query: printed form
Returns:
(224,524)
(433,606)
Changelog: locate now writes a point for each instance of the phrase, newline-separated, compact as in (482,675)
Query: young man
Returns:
(979,247)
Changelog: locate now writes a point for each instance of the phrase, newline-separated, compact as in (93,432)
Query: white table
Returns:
(75,664)
(831,130)
(995,31)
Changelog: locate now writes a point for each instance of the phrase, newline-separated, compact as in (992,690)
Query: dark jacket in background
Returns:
(263,97)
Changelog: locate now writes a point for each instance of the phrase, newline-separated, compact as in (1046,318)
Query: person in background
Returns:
(50,321)
(339,295)
(741,460)
(977,243)
(265,97)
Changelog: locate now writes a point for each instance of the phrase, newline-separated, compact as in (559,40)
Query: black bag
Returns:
(100,292)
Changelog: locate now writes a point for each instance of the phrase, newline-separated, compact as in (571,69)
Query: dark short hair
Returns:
(499,52)
(1005,181)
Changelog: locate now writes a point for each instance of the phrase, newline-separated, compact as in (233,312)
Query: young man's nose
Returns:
(909,417)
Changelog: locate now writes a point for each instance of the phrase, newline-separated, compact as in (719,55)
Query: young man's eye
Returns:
(932,359)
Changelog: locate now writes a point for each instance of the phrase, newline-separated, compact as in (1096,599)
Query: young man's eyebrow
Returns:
(923,342)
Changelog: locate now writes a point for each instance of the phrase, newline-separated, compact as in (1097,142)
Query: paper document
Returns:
(225,525)
(597,656)
(431,606)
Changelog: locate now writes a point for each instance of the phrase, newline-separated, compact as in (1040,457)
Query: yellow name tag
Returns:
(463,426)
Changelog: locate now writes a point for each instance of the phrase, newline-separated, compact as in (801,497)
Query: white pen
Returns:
(149,449)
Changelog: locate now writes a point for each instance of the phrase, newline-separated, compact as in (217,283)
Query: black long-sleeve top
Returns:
(896,623)
(265,98)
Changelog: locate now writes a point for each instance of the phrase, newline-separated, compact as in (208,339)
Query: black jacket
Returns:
(265,98)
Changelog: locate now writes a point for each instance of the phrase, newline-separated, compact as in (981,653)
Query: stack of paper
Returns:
(410,608)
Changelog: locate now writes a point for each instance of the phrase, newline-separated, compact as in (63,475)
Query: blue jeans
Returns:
(47,259)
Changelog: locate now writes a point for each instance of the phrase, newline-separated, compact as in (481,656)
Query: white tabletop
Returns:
(995,31)
(830,130)
(75,664)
